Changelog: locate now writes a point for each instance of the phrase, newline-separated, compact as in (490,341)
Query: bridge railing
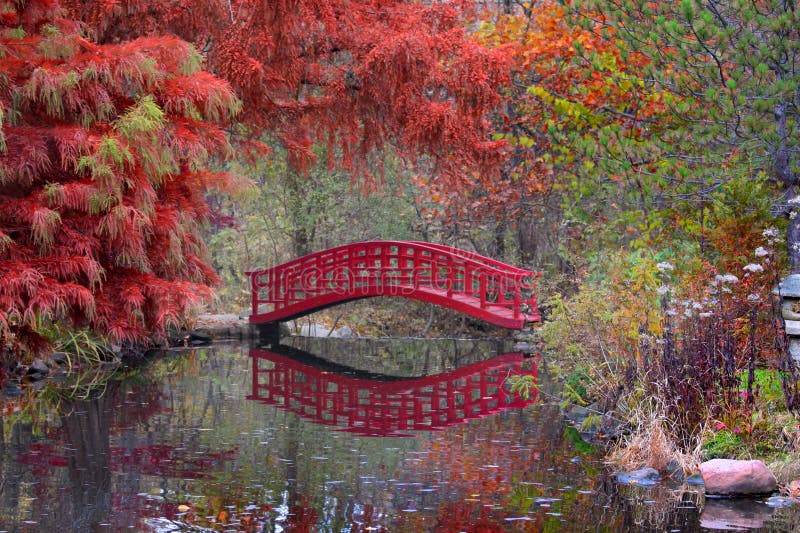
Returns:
(388,408)
(458,279)
(475,257)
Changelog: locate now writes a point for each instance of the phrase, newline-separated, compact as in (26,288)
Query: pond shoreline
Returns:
(644,484)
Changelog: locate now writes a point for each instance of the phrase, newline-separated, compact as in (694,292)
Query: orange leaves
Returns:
(568,84)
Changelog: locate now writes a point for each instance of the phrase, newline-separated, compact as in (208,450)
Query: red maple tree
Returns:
(355,75)
(102,177)
(109,122)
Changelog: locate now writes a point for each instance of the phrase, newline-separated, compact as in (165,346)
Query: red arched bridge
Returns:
(374,405)
(467,282)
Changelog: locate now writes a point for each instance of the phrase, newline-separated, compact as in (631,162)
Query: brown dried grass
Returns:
(652,442)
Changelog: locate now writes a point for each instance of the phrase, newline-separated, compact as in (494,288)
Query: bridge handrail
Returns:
(515,273)
(420,403)
(477,257)
(399,385)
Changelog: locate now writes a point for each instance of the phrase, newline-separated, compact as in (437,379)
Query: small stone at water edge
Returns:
(779,501)
(646,477)
(38,366)
(11,390)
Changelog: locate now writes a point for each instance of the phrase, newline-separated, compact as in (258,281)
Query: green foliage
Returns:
(580,445)
(43,227)
(524,385)
(724,444)
(768,384)
(192,62)
(576,388)
(617,302)
(143,117)
(727,69)
(15,33)
(287,215)
(80,346)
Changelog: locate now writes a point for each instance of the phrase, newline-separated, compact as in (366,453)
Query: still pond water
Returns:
(381,435)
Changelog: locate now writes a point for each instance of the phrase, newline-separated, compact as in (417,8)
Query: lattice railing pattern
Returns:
(388,408)
(470,283)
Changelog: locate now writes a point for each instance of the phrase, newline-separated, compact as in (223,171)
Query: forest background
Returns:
(643,155)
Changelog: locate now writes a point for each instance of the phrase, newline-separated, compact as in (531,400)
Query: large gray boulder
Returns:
(730,477)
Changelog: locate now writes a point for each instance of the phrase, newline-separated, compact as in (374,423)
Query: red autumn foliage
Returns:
(108,123)
(102,179)
(357,76)
(568,84)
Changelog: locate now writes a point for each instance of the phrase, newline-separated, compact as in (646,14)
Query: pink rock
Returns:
(737,515)
(729,477)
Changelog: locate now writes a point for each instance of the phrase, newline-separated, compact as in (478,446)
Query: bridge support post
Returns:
(269,333)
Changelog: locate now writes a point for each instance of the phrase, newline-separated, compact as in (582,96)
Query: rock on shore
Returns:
(730,477)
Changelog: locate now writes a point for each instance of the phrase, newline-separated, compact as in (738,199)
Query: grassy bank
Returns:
(687,360)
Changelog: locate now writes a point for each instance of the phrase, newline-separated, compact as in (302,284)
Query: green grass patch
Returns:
(724,444)
(766,385)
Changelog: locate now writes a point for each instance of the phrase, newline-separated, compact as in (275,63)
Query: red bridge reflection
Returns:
(378,405)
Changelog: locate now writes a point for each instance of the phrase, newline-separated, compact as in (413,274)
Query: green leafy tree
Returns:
(729,70)
(287,215)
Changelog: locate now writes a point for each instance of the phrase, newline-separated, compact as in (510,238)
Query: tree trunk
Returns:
(782,166)
(299,232)
(793,241)
(87,427)
(500,239)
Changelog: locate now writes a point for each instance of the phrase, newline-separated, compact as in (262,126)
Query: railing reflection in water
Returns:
(384,406)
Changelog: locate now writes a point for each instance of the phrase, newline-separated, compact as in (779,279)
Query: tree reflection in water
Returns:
(87,426)
(177,446)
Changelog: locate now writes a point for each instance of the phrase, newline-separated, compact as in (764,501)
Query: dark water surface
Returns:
(380,435)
